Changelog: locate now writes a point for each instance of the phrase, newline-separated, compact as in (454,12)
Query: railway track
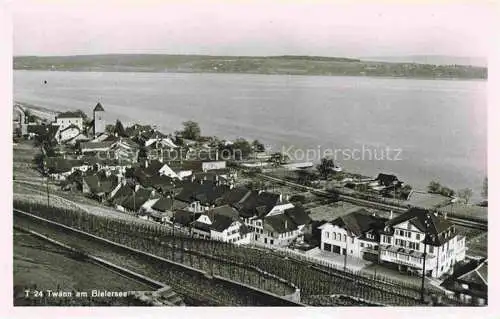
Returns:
(194,285)
(474,224)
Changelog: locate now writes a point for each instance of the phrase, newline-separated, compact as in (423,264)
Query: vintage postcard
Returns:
(291,154)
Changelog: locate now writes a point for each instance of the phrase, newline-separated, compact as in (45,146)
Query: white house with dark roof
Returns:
(398,241)
(354,234)
(66,119)
(404,238)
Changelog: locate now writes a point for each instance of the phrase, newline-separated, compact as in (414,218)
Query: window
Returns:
(334,237)
(271,241)
(345,237)
(352,240)
(431,249)
(327,234)
(418,236)
(362,245)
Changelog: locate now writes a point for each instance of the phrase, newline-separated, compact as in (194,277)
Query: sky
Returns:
(325,28)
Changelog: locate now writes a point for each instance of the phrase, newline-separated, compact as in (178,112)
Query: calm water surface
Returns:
(440,126)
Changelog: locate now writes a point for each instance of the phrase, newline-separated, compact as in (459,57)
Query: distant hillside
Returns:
(296,65)
(432,59)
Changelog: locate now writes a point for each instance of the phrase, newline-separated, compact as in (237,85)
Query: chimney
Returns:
(391,215)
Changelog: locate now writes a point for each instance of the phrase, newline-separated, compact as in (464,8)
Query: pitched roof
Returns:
(234,195)
(438,226)
(183,217)
(101,184)
(206,193)
(359,222)
(123,192)
(69,115)
(474,273)
(298,215)
(135,202)
(225,210)
(280,223)
(168,204)
(256,203)
(98,107)
(220,222)
(201,226)
(70,127)
(61,165)
(387,179)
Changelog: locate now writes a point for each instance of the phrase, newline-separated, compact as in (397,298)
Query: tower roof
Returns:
(98,107)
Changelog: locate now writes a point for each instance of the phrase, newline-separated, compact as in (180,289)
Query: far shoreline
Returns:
(454,79)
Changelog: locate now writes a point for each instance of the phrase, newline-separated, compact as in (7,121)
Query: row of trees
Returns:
(435,187)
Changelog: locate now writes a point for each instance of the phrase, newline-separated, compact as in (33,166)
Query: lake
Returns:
(438,128)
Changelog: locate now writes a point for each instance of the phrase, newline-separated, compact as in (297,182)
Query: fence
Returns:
(269,271)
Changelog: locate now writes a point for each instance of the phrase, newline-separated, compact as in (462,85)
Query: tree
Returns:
(326,167)
(405,191)
(304,177)
(110,129)
(434,187)
(191,130)
(465,194)
(484,192)
(119,129)
(258,146)
(446,191)
(143,153)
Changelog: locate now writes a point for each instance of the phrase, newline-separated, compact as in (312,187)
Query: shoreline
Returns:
(262,73)
(49,113)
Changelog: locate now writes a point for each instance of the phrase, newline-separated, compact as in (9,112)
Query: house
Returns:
(404,239)
(60,168)
(66,119)
(256,207)
(277,230)
(134,202)
(234,196)
(355,234)
(201,197)
(99,186)
(386,180)
(469,282)
(162,210)
(183,218)
(222,223)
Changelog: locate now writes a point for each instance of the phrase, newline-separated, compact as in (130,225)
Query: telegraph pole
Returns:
(47,187)
(345,256)
(426,236)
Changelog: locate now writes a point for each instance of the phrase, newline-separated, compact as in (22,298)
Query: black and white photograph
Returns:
(248,153)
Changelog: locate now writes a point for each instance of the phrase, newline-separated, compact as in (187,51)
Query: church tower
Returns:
(99,124)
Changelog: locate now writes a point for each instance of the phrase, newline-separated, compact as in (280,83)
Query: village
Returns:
(222,190)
